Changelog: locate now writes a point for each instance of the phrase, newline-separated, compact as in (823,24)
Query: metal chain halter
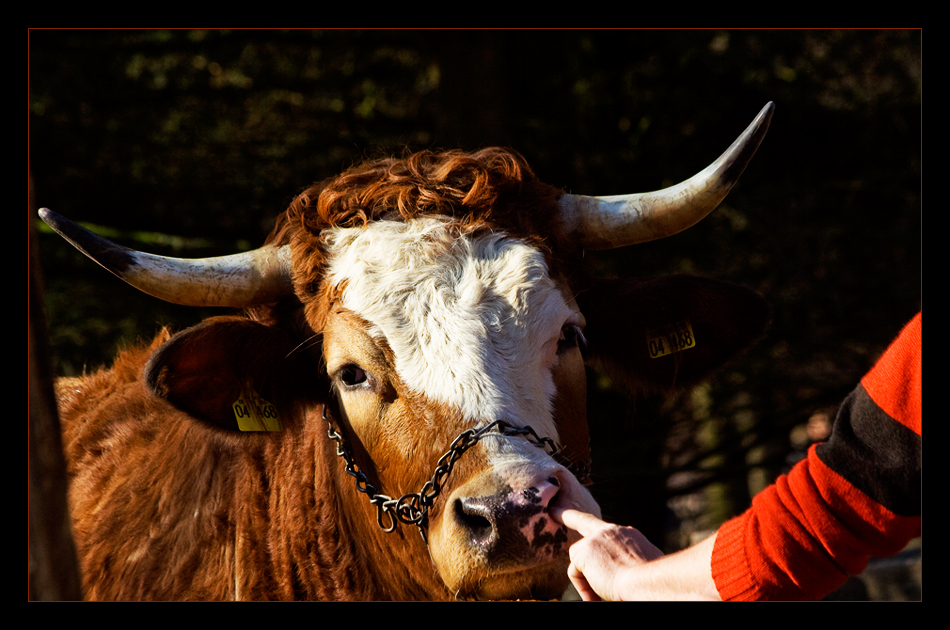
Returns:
(413,509)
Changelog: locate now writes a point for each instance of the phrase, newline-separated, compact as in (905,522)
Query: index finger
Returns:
(583,523)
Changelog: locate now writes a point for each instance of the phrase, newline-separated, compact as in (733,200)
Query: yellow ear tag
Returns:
(669,339)
(253,413)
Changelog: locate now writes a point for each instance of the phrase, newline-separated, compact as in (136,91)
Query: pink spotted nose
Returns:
(514,523)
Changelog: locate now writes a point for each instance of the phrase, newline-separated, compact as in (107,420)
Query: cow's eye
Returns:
(352,376)
(571,337)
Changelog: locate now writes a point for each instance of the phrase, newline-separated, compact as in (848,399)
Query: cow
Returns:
(401,399)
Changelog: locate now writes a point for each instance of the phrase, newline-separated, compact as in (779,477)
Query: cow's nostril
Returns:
(475,516)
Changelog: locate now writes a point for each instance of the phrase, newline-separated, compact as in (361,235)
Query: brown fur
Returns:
(167,508)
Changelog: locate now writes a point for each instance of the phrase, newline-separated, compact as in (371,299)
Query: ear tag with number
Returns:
(674,337)
(253,413)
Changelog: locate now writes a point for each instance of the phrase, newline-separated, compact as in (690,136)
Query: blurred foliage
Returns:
(207,135)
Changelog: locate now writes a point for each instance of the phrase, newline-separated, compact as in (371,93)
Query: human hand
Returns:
(601,559)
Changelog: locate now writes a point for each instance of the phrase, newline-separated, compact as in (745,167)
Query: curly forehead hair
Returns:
(493,187)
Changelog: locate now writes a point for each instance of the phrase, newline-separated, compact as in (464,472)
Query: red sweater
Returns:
(855,496)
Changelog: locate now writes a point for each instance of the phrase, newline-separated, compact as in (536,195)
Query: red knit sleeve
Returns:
(856,496)
(899,365)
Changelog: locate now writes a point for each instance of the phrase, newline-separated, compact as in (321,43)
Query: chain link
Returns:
(413,509)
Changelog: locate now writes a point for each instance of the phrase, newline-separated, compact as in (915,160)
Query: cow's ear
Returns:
(668,332)
(227,370)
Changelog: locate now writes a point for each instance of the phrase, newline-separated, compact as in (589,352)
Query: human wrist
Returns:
(685,575)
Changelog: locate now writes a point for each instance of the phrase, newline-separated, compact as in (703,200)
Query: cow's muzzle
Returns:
(495,537)
(513,523)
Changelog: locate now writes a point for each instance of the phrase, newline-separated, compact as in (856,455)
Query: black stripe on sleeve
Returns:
(875,453)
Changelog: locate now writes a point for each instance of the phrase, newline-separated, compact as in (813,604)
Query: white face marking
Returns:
(473,322)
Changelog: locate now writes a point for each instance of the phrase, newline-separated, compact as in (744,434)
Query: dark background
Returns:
(189,143)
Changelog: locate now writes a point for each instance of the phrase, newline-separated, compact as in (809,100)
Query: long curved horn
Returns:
(254,277)
(621,220)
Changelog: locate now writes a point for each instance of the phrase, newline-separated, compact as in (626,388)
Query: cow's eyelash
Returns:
(571,337)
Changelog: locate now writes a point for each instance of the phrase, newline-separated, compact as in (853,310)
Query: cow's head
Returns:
(438,293)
